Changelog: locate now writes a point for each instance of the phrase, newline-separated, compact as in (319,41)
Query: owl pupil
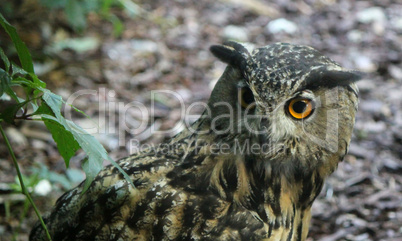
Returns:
(299,107)
(248,96)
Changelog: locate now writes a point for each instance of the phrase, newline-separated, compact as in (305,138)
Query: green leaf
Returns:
(96,153)
(91,5)
(44,109)
(75,176)
(66,144)
(55,177)
(76,14)
(91,169)
(5,59)
(12,94)
(18,70)
(106,5)
(43,172)
(22,50)
(25,83)
(8,115)
(38,83)
(53,4)
(54,101)
(118,26)
(29,181)
(5,81)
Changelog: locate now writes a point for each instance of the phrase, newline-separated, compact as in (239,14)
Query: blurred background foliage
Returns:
(36,18)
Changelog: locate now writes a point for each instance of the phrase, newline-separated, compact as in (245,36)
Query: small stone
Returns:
(16,137)
(366,85)
(110,141)
(363,236)
(79,45)
(235,33)
(350,220)
(395,72)
(371,106)
(144,45)
(39,144)
(164,66)
(397,23)
(282,25)
(364,63)
(123,51)
(43,188)
(392,165)
(355,36)
(64,93)
(45,67)
(373,127)
(370,15)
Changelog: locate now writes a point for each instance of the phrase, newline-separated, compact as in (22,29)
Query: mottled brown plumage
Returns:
(248,169)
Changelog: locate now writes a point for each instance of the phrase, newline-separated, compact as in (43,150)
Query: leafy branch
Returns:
(41,104)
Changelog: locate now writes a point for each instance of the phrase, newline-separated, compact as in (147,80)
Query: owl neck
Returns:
(233,168)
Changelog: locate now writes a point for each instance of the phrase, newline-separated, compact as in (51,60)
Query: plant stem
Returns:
(23,188)
(23,117)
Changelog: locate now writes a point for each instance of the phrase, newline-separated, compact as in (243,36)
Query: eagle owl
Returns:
(278,122)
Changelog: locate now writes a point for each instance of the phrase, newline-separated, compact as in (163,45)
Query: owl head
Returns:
(292,97)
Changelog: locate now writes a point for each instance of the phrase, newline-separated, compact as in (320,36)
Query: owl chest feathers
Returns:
(271,198)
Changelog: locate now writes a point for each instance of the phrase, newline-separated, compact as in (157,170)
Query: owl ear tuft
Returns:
(332,78)
(232,53)
(343,77)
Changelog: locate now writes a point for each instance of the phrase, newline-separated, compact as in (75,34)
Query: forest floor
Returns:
(165,47)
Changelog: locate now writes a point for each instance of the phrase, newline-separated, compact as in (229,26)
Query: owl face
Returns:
(303,101)
(301,93)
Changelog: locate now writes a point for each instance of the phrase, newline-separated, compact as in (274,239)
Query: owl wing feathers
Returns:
(162,206)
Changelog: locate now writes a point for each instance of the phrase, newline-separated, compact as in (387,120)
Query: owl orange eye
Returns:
(300,108)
